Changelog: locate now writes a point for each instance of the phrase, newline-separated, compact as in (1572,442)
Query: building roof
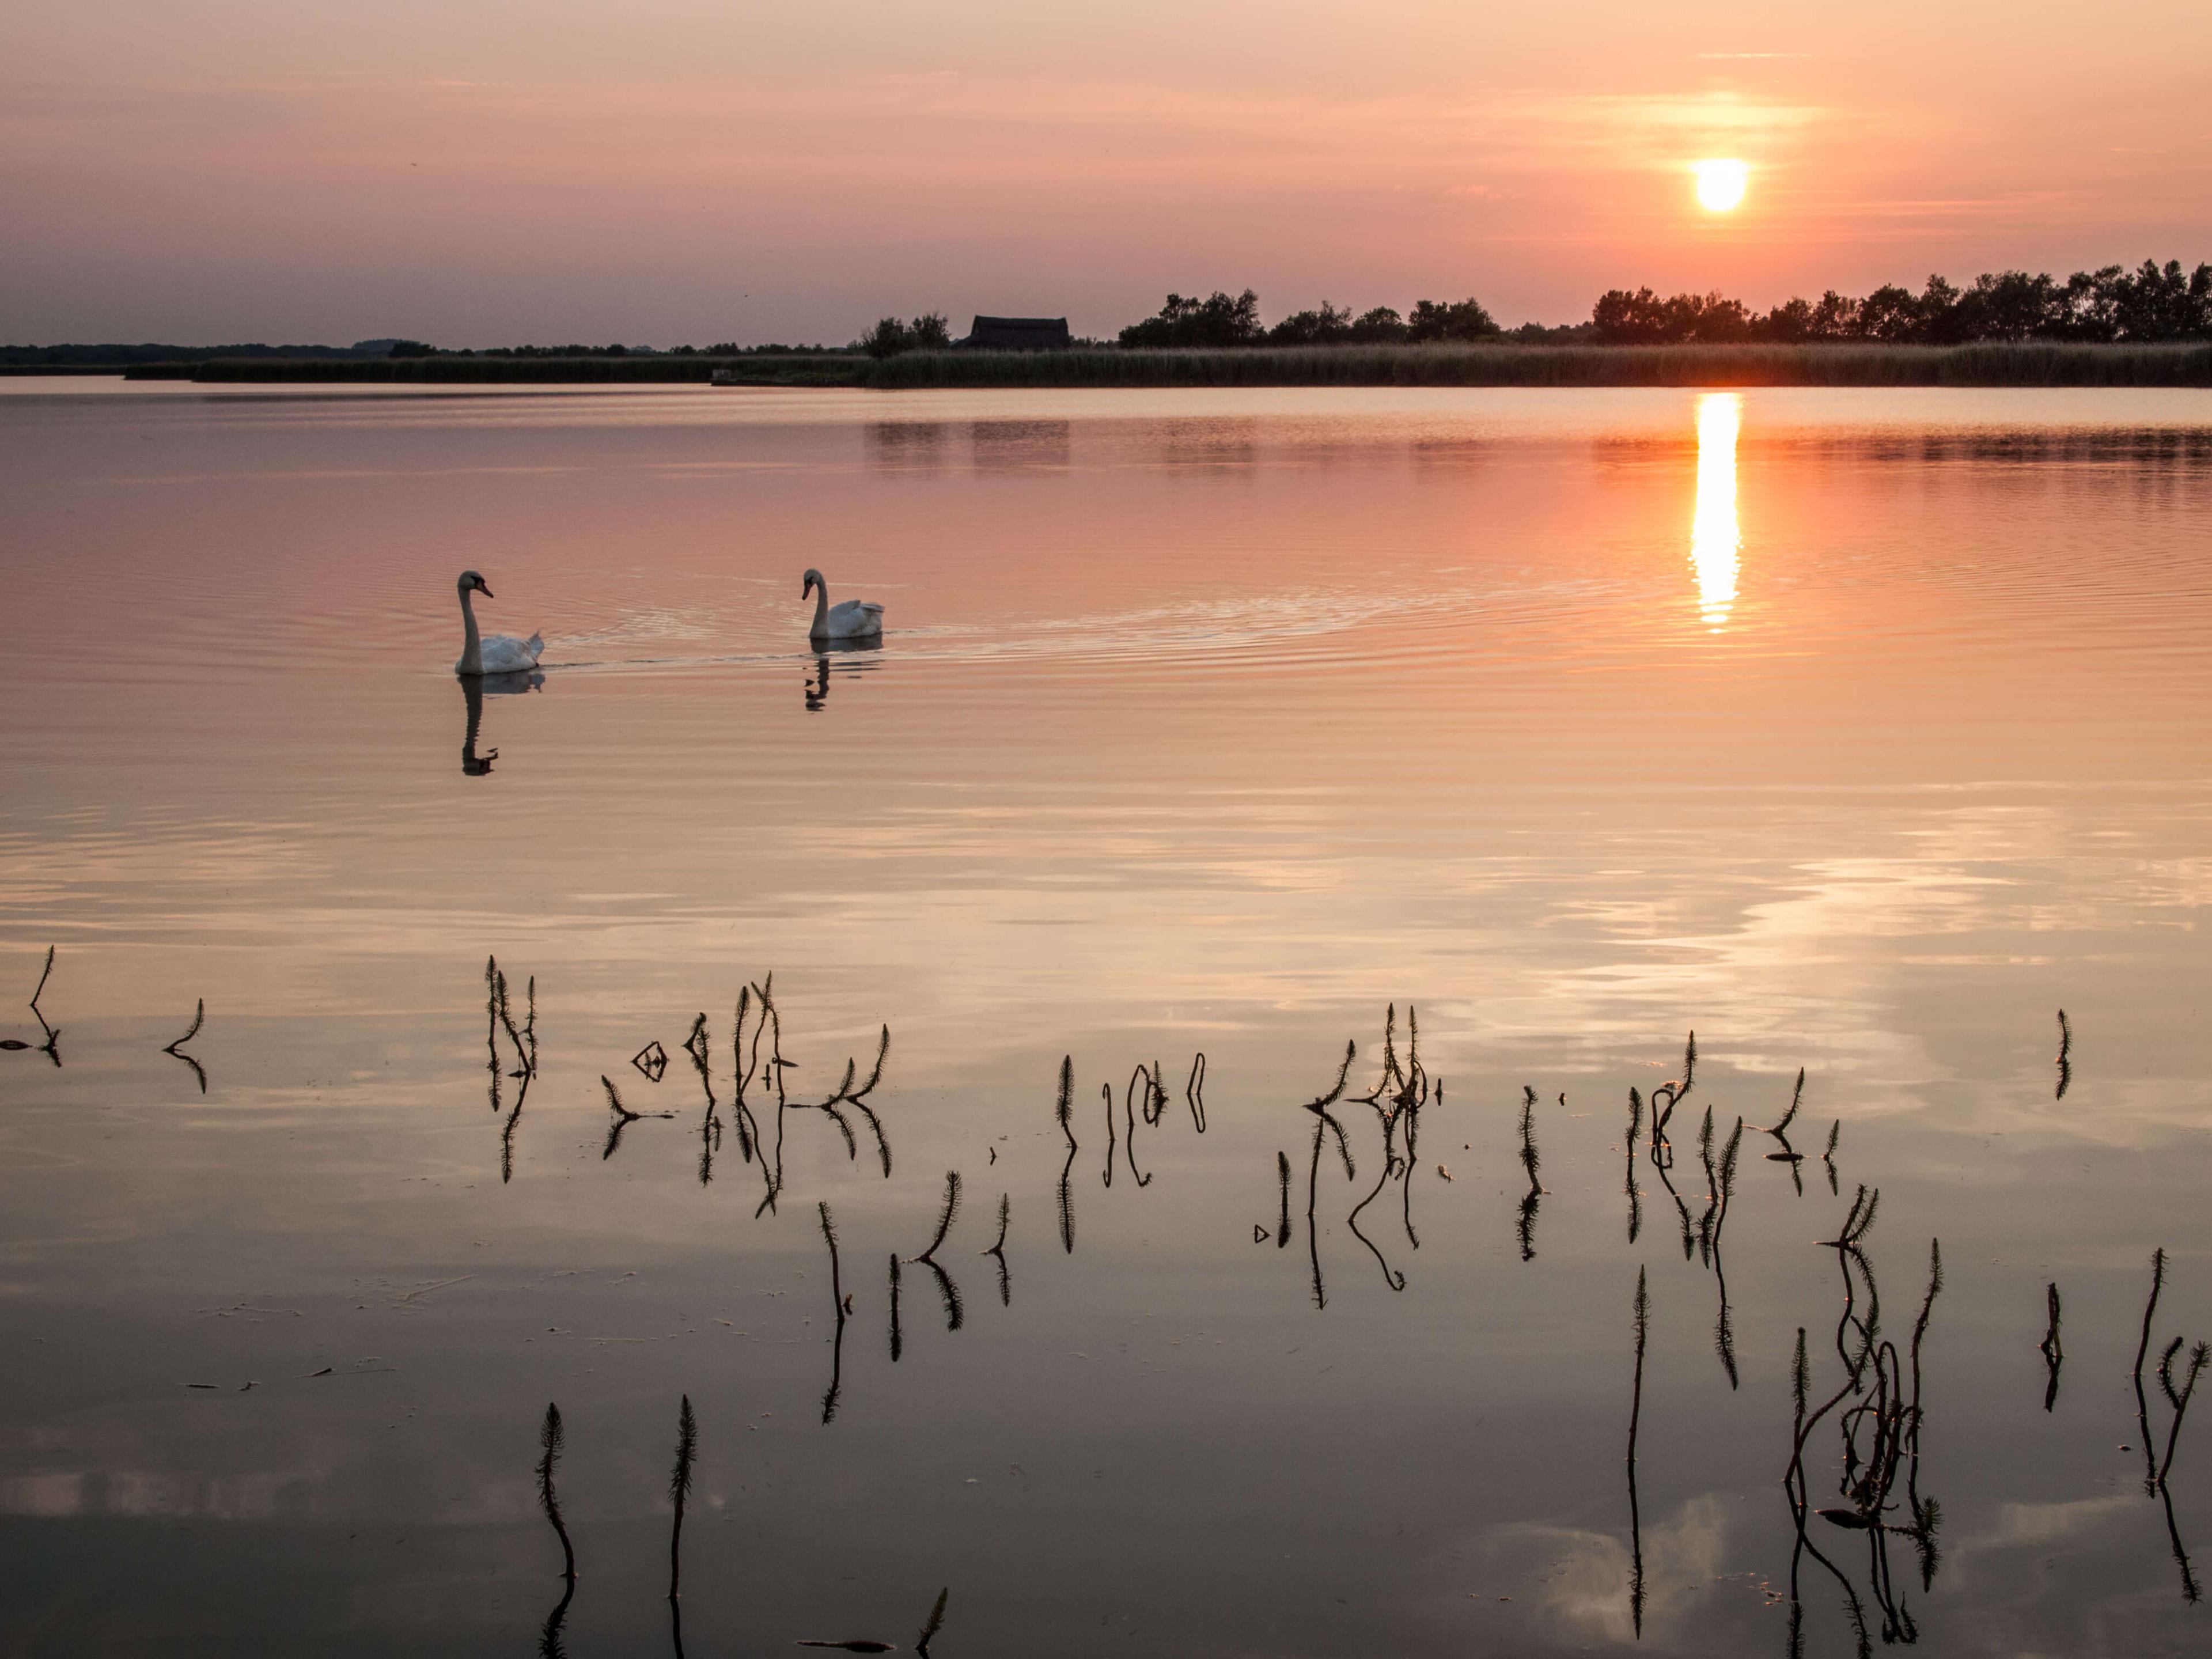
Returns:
(1017,334)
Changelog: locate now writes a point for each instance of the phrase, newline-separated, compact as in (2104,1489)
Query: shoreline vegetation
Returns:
(2032,363)
(2148,327)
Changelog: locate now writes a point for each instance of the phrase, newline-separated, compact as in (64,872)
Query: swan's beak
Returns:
(486,591)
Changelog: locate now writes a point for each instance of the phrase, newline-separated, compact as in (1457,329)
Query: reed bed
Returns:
(2034,363)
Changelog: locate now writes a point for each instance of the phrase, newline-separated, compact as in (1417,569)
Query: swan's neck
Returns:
(821,608)
(471,642)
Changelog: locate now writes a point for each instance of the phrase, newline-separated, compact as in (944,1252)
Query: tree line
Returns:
(2151,304)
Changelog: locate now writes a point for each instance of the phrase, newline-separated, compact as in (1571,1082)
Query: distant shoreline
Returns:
(2027,364)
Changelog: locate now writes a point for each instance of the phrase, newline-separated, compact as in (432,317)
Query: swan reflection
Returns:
(818,678)
(1714,536)
(474,689)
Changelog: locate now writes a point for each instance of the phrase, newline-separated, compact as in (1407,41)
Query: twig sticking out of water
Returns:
(623,1117)
(1194,1092)
(837,1305)
(2198,1357)
(1155,1102)
(1106,1094)
(199,1017)
(1828,1158)
(549,1440)
(1635,1194)
(1062,1108)
(652,1061)
(2143,1350)
(897,1345)
(2054,1354)
(1525,1224)
(1781,1130)
(2065,1051)
(679,1490)
(998,1249)
(1283,1181)
(177,1049)
(52,1047)
(936,1623)
(945,1216)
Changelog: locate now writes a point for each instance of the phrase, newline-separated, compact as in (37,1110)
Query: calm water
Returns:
(1859,733)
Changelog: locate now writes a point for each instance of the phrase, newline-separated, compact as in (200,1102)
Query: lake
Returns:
(1511,736)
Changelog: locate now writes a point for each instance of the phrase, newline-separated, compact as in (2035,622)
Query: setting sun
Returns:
(1720,184)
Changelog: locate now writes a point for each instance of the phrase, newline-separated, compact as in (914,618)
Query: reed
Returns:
(952,1208)
(1194,1092)
(898,1345)
(2028,364)
(1063,1107)
(1282,1186)
(1796,1099)
(2179,1399)
(2065,1053)
(936,1623)
(999,1250)
(1635,1193)
(199,1017)
(2142,1351)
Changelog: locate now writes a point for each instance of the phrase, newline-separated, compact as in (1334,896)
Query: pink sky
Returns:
(483,171)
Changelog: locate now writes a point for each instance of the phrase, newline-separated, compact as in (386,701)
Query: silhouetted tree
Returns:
(1215,321)
(1456,320)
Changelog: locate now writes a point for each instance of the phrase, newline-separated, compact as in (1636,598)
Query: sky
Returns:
(658,172)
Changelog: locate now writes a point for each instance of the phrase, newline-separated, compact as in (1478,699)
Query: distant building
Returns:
(1016,334)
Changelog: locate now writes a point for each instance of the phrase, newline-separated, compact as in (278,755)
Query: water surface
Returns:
(1857,731)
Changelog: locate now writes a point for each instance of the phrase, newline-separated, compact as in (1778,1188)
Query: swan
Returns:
(855,619)
(499,654)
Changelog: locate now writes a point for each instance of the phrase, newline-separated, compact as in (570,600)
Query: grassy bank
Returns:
(2031,364)
(809,370)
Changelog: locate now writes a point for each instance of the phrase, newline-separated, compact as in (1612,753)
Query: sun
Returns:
(1720,184)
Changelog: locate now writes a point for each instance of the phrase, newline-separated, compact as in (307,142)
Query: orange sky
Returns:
(479,172)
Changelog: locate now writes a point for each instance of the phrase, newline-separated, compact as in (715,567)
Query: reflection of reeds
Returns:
(1828,1158)
(2065,1052)
(679,1491)
(1283,1182)
(1635,1417)
(2054,1355)
(1194,1092)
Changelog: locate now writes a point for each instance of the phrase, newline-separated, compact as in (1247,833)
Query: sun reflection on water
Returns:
(1714,538)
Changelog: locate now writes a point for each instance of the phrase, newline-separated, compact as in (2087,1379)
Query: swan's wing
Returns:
(852,608)
(504,655)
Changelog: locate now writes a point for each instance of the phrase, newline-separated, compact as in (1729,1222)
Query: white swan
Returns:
(502,653)
(855,619)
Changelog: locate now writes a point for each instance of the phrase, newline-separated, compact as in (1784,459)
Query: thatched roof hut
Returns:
(1017,334)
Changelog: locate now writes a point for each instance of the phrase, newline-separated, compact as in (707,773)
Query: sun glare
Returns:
(1720,184)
